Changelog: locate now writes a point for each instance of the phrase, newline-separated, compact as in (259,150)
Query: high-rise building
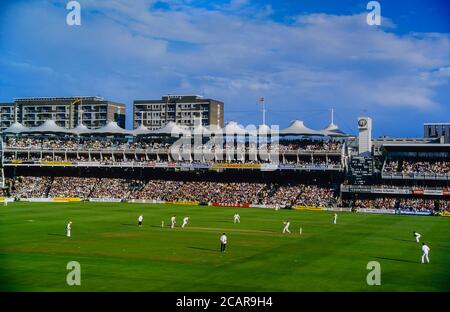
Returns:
(68,112)
(185,110)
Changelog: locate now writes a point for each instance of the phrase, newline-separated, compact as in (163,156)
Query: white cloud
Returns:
(318,59)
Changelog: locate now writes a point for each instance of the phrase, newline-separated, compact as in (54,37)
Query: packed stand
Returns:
(72,187)
(417,167)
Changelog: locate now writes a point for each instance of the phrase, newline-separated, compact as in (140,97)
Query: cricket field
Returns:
(116,255)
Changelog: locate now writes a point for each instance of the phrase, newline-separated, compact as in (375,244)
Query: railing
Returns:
(389,189)
(163,150)
(174,164)
(415,176)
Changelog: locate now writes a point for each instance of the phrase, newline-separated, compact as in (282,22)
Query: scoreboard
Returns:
(361,170)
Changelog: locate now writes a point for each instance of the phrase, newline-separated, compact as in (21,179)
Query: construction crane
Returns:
(71,112)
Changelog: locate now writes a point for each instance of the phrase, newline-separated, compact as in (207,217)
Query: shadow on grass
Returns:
(130,224)
(53,234)
(404,240)
(207,249)
(398,260)
(143,225)
(161,227)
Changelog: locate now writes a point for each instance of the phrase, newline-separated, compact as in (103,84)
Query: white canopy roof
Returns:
(16,127)
(170,128)
(262,130)
(201,130)
(49,126)
(331,127)
(232,128)
(333,131)
(297,127)
(141,130)
(80,129)
(111,128)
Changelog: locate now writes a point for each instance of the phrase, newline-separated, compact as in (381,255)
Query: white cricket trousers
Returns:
(425,257)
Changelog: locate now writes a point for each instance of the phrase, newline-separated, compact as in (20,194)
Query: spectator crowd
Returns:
(417,167)
(412,204)
(87,143)
(168,190)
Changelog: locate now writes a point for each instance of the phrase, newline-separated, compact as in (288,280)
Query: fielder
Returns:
(286,227)
(140,219)
(173,221)
(416,236)
(237,218)
(68,228)
(223,242)
(185,221)
(335,218)
(425,251)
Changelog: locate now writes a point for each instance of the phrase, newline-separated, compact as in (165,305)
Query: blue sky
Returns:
(305,57)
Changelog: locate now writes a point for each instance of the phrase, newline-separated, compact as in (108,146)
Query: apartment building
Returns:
(185,110)
(68,112)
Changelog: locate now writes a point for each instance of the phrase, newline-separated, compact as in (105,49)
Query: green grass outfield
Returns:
(116,255)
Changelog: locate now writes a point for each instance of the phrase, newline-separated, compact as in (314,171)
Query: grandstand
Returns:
(291,167)
(108,176)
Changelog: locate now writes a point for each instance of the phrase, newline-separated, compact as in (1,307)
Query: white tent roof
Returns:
(141,130)
(333,131)
(49,126)
(297,127)
(331,127)
(233,128)
(111,128)
(16,127)
(170,128)
(215,129)
(201,130)
(80,129)
(262,130)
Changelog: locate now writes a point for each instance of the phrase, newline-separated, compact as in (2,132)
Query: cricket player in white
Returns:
(425,251)
(223,242)
(172,222)
(185,221)
(140,219)
(416,236)
(335,218)
(237,218)
(277,207)
(286,227)
(69,227)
